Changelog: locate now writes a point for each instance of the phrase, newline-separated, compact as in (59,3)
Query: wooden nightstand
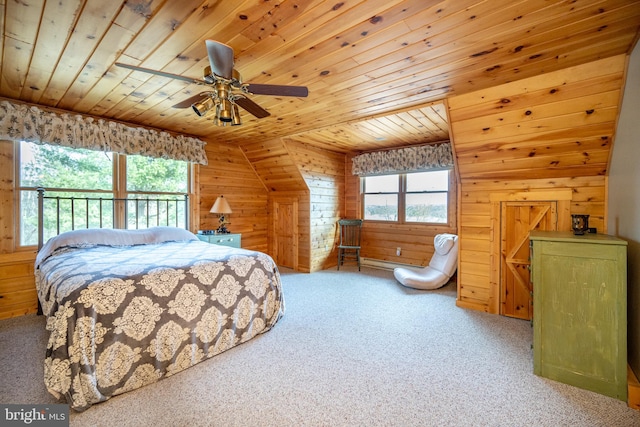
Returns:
(17,284)
(232,240)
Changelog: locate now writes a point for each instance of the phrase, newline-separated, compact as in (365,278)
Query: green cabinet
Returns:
(231,240)
(580,310)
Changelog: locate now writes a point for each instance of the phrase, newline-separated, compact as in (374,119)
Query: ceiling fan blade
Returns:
(252,107)
(278,90)
(159,73)
(220,58)
(190,101)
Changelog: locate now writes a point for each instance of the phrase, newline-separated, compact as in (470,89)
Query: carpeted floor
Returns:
(353,349)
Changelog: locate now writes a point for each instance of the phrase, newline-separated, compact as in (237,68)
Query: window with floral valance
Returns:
(21,122)
(403,160)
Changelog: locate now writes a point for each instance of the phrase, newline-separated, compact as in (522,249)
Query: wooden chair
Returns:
(349,247)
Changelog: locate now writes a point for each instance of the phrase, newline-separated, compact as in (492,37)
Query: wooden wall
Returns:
(324,174)
(312,178)
(478,285)
(380,240)
(7,224)
(230,174)
(279,174)
(532,139)
(537,136)
(17,286)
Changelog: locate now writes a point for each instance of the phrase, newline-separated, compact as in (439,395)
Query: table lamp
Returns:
(222,208)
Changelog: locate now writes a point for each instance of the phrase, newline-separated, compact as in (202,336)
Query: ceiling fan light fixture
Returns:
(208,76)
(203,106)
(225,113)
(217,122)
(227,92)
(237,120)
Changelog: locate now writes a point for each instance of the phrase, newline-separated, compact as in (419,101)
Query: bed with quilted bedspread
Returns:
(128,308)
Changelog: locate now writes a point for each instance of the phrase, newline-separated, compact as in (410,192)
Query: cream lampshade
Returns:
(222,208)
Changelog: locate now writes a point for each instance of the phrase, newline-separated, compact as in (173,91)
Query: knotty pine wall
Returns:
(532,139)
(17,284)
(275,167)
(230,174)
(312,177)
(324,174)
(380,240)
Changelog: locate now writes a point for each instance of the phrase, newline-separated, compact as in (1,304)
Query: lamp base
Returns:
(222,230)
(222,225)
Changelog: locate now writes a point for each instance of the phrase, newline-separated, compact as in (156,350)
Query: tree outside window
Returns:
(66,172)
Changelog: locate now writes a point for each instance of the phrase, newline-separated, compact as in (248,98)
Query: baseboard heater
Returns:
(384,265)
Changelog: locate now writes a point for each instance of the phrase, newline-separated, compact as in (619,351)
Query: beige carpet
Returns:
(353,349)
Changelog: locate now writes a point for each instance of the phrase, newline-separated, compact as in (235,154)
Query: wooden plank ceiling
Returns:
(377,70)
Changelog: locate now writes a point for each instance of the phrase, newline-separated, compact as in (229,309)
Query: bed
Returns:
(126,308)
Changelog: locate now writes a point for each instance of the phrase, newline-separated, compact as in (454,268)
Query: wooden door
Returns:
(285,232)
(517,220)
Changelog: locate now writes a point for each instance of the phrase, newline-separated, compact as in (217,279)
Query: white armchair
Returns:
(440,269)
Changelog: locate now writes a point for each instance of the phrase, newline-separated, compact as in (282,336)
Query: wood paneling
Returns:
(314,179)
(17,284)
(7,224)
(542,135)
(479,256)
(352,200)
(366,63)
(380,239)
(230,174)
(426,124)
(276,168)
(323,172)
(560,124)
(532,90)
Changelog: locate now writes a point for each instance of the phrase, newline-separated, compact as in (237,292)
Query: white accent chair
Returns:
(440,269)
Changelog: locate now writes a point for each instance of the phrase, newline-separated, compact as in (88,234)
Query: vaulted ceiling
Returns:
(378,71)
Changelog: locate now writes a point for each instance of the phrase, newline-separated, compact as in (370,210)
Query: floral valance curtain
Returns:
(401,160)
(20,122)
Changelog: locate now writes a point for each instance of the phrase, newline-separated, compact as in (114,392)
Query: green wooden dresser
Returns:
(580,310)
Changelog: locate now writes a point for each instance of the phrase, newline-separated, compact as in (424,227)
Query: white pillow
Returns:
(443,243)
(113,237)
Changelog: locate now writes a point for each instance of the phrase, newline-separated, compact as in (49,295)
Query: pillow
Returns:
(112,237)
(443,243)
(166,234)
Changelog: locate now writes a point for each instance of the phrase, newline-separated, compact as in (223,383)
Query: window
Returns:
(66,172)
(381,195)
(420,197)
(153,179)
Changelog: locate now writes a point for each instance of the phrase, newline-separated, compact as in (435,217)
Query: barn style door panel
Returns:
(517,220)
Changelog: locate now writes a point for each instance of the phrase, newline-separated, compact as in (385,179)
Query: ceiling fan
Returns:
(226,90)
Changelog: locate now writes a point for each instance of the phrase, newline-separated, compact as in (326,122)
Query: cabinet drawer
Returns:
(17,284)
(18,303)
(227,241)
(16,270)
(231,240)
